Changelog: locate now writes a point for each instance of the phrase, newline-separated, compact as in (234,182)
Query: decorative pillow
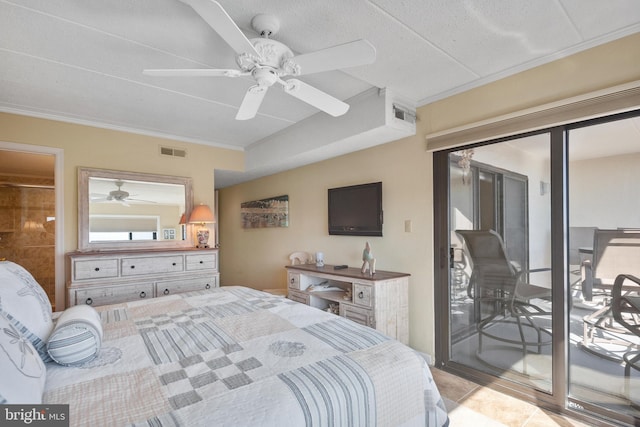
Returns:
(26,305)
(23,372)
(77,336)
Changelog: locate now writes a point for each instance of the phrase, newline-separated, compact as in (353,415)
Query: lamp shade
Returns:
(201,214)
(183,219)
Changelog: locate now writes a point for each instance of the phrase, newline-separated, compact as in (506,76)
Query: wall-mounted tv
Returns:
(356,210)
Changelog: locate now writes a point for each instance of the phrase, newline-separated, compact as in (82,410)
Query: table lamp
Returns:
(202,215)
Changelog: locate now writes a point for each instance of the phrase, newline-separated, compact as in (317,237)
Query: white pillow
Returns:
(23,372)
(26,305)
(77,336)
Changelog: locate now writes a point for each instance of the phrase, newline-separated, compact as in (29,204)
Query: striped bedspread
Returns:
(234,356)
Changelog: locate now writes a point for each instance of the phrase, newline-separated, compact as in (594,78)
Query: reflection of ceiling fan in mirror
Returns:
(267,61)
(118,195)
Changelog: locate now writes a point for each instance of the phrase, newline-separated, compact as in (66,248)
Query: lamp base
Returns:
(203,238)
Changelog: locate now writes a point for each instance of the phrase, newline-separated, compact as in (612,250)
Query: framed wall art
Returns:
(265,213)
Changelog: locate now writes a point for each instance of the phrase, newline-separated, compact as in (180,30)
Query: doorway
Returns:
(524,306)
(30,214)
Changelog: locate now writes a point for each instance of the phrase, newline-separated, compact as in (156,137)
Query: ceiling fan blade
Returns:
(140,201)
(315,97)
(215,15)
(194,72)
(352,54)
(251,102)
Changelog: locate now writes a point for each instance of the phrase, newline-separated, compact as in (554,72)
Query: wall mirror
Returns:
(129,210)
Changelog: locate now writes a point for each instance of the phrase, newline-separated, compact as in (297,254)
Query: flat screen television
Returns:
(356,210)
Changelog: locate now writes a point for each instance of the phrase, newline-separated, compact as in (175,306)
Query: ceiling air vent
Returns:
(174,152)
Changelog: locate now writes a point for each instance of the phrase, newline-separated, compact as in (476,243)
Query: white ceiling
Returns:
(82,60)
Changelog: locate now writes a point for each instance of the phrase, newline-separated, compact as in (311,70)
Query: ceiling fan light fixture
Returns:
(266,25)
(264,76)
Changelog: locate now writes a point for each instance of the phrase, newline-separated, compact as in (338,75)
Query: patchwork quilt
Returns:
(234,356)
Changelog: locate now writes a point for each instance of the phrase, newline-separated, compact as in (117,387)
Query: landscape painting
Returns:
(265,213)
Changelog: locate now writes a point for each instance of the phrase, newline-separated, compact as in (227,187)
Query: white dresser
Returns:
(380,301)
(100,278)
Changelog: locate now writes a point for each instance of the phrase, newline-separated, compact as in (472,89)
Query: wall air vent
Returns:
(404,114)
(174,152)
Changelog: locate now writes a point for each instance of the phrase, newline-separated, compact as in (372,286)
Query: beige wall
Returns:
(257,257)
(86,146)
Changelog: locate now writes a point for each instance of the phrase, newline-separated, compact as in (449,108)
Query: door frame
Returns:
(58,175)
(558,399)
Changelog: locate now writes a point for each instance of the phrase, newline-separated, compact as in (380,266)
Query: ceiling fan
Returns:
(118,195)
(268,61)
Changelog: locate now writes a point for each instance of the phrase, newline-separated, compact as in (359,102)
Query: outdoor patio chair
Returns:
(497,282)
(615,252)
(625,307)
(580,242)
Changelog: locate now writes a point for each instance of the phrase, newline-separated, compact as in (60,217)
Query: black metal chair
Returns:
(626,311)
(580,238)
(615,252)
(498,282)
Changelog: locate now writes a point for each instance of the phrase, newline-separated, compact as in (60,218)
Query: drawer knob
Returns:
(207,286)
(166,292)
(293,280)
(97,269)
(174,264)
(201,262)
(88,301)
(143,294)
(133,266)
(361,295)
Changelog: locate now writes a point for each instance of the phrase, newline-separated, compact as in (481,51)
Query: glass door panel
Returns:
(604,242)
(500,286)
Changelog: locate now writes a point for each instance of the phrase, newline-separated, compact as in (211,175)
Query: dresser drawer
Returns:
(154,265)
(95,269)
(204,261)
(168,287)
(357,314)
(298,297)
(113,294)
(293,280)
(362,295)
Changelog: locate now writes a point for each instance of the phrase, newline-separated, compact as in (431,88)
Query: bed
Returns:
(236,356)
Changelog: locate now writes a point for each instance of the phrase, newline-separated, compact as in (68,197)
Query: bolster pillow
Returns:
(77,336)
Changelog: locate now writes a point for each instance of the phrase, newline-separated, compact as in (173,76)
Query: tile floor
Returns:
(470,404)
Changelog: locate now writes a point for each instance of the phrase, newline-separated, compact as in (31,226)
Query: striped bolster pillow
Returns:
(77,336)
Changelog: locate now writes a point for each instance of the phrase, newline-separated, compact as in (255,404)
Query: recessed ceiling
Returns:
(82,61)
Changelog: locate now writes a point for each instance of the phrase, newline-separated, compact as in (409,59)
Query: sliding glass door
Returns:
(604,242)
(538,272)
(500,289)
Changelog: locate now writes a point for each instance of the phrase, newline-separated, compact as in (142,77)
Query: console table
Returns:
(380,301)
(110,277)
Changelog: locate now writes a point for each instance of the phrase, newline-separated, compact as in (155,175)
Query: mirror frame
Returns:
(84,244)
